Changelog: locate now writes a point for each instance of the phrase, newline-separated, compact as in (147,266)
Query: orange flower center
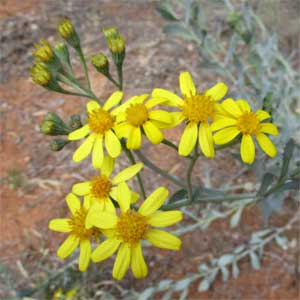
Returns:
(248,123)
(101,186)
(137,114)
(198,108)
(100,120)
(131,227)
(77,223)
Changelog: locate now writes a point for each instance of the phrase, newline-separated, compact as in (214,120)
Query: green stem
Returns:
(158,170)
(120,76)
(132,160)
(170,144)
(218,199)
(189,175)
(86,73)
(109,77)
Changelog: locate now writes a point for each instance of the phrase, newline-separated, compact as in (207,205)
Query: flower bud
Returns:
(40,74)
(100,62)
(43,52)
(67,31)
(62,52)
(117,44)
(54,125)
(74,122)
(58,144)
(110,32)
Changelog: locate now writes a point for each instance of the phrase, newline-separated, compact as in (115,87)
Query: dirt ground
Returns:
(34,180)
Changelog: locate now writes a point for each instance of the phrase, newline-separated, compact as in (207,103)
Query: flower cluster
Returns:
(105,215)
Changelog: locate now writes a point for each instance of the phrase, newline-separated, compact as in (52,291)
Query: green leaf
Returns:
(225,260)
(182,284)
(235,270)
(234,221)
(146,294)
(287,155)
(166,12)
(225,273)
(281,241)
(204,285)
(254,259)
(164,284)
(265,184)
(178,195)
(179,30)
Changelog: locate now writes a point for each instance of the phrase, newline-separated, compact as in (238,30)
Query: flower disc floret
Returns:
(248,123)
(198,108)
(131,227)
(100,186)
(100,121)
(137,114)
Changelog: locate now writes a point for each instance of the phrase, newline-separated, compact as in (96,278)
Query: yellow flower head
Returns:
(44,51)
(65,28)
(99,128)
(102,188)
(238,119)
(40,74)
(117,44)
(135,115)
(79,235)
(198,110)
(126,230)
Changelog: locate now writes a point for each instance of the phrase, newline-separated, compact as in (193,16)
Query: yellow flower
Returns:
(128,229)
(40,74)
(197,110)
(65,28)
(99,128)
(239,119)
(44,51)
(101,188)
(78,234)
(135,115)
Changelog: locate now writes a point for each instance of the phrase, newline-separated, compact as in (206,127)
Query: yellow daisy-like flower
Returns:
(99,128)
(197,110)
(239,119)
(125,231)
(135,116)
(78,234)
(99,191)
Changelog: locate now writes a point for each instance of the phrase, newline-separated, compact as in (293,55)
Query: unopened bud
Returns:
(74,122)
(110,32)
(53,125)
(100,62)
(117,45)
(40,74)
(66,29)
(58,144)
(44,51)
(62,52)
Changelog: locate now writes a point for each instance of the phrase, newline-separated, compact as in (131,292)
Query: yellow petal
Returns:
(60,225)
(218,91)
(269,128)
(79,133)
(262,115)
(73,203)
(160,115)
(87,202)
(134,140)
(113,100)
(188,139)
(82,188)
(225,135)
(96,209)
(107,165)
(109,206)
(85,254)
(153,133)
(154,201)
(162,239)
(112,144)
(103,220)
(231,107)
(97,156)
(266,145)
(222,123)
(186,83)
(127,173)
(170,98)
(177,118)
(92,105)
(105,250)
(114,192)
(122,262)
(84,149)
(247,149)
(123,130)
(134,197)
(68,246)
(138,264)
(123,196)
(165,218)
(154,101)
(243,105)
(206,140)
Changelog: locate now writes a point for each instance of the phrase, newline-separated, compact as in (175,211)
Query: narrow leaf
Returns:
(255,263)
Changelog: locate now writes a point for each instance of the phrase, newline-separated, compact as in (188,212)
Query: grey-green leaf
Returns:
(179,30)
